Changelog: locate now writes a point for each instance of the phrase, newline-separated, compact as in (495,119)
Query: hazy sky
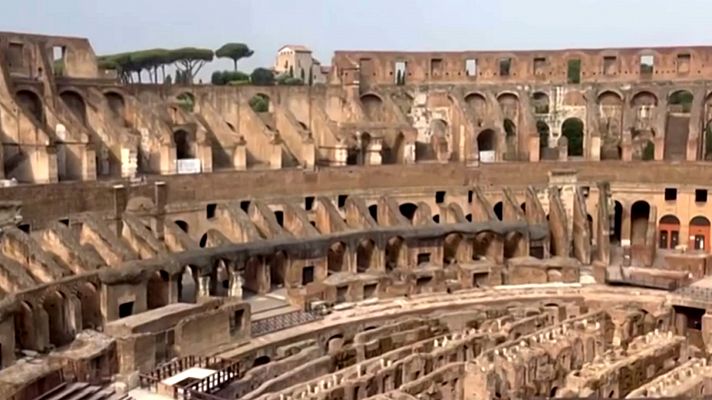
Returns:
(328,25)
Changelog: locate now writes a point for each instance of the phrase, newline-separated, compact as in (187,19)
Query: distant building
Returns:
(297,61)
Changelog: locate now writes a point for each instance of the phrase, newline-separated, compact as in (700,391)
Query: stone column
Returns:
(203,286)
(275,158)
(239,155)
(236,282)
(119,207)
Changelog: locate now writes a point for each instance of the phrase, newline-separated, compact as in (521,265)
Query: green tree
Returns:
(291,71)
(225,77)
(262,77)
(234,51)
(259,103)
(190,60)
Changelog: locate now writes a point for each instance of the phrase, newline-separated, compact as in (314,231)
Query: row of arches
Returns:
(698,232)
(56,317)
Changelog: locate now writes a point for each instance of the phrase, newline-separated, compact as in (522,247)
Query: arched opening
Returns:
(477,105)
(545,152)
(220,280)
(573,130)
(372,106)
(677,129)
(31,104)
(187,287)
(364,141)
(278,269)
(335,257)
(373,210)
(182,225)
(512,242)
(589,220)
(184,145)
(364,255)
(509,104)
(89,300)
(55,304)
(540,103)
(117,105)
(262,360)
(668,232)
(26,331)
(451,248)
(699,233)
(394,253)
(610,105)
(186,101)
(486,145)
(681,101)
(204,240)
(75,103)
(639,215)
(158,290)
(498,210)
(438,147)
(616,226)
(260,103)
(408,210)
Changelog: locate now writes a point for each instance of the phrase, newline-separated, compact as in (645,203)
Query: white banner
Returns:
(188,166)
(487,156)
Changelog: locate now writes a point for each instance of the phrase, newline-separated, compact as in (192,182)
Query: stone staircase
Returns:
(676,134)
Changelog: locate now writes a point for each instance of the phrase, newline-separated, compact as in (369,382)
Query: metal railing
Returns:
(282,321)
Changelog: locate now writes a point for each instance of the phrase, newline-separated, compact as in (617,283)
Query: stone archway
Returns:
(364,255)
(32,104)
(677,128)
(610,105)
(335,258)
(451,248)
(639,215)
(408,210)
(184,144)
(573,130)
(158,290)
(372,106)
(91,310)
(487,145)
(76,104)
(55,304)
(187,286)
(668,232)
(278,263)
(394,254)
(117,105)
(699,232)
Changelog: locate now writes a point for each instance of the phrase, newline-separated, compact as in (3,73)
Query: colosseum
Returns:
(411,225)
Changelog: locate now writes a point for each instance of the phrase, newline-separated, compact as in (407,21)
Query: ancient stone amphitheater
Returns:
(452,226)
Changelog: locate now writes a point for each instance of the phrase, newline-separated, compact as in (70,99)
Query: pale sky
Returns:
(328,25)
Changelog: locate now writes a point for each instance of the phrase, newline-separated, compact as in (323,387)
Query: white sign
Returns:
(188,166)
(487,156)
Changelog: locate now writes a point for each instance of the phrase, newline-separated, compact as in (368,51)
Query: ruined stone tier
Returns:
(79,123)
